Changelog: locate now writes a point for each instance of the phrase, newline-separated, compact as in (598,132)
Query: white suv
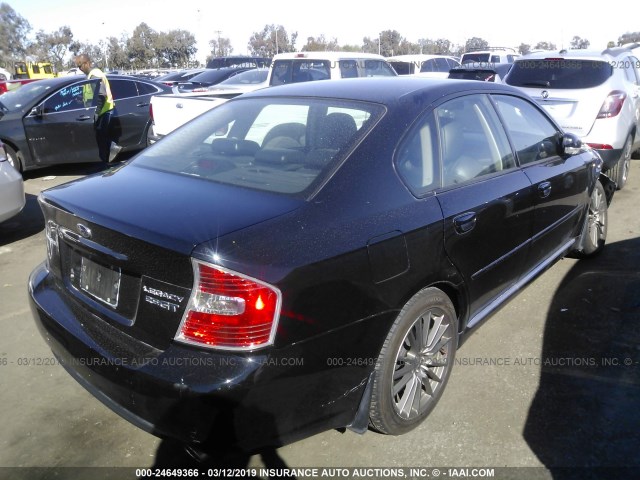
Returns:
(491,55)
(308,66)
(595,95)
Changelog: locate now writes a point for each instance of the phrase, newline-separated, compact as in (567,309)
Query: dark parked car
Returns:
(174,78)
(310,256)
(46,122)
(209,77)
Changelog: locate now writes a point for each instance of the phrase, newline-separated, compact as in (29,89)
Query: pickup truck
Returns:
(168,112)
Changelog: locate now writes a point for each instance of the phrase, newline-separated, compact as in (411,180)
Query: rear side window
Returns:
(417,160)
(534,137)
(123,89)
(404,68)
(378,68)
(559,73)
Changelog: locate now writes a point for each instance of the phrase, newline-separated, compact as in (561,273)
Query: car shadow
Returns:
(229,445)
(28,222)
(586,412)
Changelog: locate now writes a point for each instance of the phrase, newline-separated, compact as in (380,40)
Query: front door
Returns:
(61,129)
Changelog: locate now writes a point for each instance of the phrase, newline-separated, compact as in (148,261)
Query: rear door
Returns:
(486,199)
(559,184)
(132,100)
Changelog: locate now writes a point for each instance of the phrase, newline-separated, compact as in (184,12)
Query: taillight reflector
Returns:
(229,310)
(612,104)
(600,146)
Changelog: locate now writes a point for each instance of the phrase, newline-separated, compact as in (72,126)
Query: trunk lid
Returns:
(120,243)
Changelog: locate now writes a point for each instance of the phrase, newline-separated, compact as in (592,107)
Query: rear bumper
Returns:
(214,399)
(610,157)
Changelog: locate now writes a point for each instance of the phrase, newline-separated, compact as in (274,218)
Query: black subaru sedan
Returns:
(310,256)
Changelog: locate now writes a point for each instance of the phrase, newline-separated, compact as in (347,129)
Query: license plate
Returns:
(100,282)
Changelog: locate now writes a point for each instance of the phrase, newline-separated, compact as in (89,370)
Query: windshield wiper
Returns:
(540,83)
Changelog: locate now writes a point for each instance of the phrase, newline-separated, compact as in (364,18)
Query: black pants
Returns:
(103,136)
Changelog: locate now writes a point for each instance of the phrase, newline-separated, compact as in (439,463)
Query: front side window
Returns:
(278,145)
(378,68)
(72,97)
(534,137)
(473,143)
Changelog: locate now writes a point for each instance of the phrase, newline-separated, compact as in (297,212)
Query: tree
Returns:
(475,43)
(220,47)
(141,46)
(545,46)
(321,44)
(13,34)
(175,48)
(117,55)
(272,40)
(524,48)
(52,46)
(578,43)
(628,38)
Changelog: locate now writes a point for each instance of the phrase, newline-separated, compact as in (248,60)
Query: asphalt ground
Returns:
(548,387)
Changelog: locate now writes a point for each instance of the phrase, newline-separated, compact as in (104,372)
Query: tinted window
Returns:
(294,71)
(475,57)
(146,88)
(559,73)
(533,135)
(349,68)
(429,66)
(278,145)
(76,96)
(123,89)
(472,140)
(378,68)
(404,68)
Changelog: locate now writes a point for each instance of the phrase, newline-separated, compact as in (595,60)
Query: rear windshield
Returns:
(287,146)
(482,75)
(475,58)
(559,73)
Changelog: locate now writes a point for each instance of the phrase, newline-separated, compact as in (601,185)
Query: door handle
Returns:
(544,189)
(142,104)
(465,222)
(82,118)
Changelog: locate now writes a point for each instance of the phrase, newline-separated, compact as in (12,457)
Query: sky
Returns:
(347,21)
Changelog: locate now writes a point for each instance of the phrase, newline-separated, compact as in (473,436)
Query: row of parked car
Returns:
(592,94)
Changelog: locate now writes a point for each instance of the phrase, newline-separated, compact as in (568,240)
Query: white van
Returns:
(309,66)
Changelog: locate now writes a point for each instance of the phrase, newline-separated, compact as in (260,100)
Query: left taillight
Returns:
(228,310)
(612,104)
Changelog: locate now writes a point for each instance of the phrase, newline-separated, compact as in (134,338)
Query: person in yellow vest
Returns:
(107,148)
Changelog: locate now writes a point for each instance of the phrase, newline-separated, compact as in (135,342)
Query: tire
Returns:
(14,158)
(620,173)
(594,231)
(415,363)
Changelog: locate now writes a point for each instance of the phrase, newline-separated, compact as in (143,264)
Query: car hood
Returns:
(166,209)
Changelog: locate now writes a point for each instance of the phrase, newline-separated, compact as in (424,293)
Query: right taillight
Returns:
(229,310)
(612,104)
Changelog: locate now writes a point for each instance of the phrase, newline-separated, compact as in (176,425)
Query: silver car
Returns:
(12,198)
(593,94)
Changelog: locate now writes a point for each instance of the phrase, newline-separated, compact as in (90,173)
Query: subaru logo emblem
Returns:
(545,94)
(84,231)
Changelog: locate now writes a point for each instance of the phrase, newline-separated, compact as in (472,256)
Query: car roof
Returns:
(416,57)
(327,56)
(578,54)
(385,90)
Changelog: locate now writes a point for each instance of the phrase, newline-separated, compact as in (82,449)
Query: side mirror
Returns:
(37,111)
(570,144)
